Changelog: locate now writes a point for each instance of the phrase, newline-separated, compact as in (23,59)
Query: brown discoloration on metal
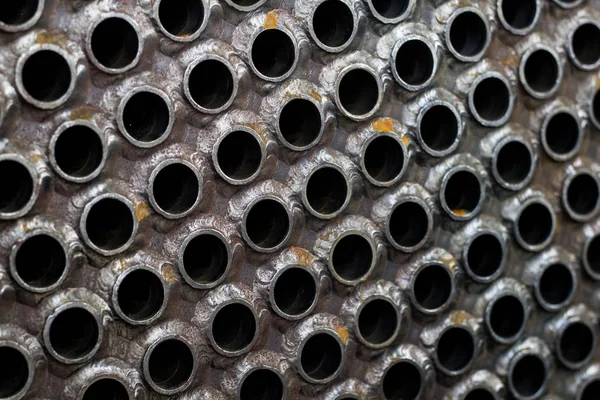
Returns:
(141,211)
(304,257)
(271,20)
(342,331)
(383,125)
(82,113)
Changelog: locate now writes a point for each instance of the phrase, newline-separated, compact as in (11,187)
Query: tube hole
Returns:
(46,76)
(596,108)
(295,291)
(17,186)
(485,256)
(592,255)
(358,92)
(390,9)
(556,284)
(106,388)
(171,364)
(300,123)
(541,71)
(528,375)
(480,394)
(267,224)
(455,349)
(181,18)
(519,14)
(109,224)
(468,34)
(205,259)
(583,194)
(438,129)
(462,193)
(414,62)
(115,43)
(146,117)
(74,333)
(491,99)
(432,287)
(78,151)
(409,224)
(585,44)
(262,384)
(576,344)
(591,390)
(333,23)
(234,327)
(41,261)
(562,134)
(378,321)
(507,317)
(175,188)
(19,12)
(14,371)
(211,84)
(352,257)
(326,191)
(273,53)
(402,382)
(513,163)
(239,155)
(384,159)
(140,295)
(321,357)
(535,224)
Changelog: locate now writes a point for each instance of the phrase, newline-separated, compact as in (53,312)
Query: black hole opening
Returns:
(18,12)
(333,23)
(74,333)
(468,34)
(239,155)
(41,261)
(245,3)
(519,14)
(109,224)
(485,255)
(408,224)
(535,224)
(438,128)
(528,375)
(46,76)
(78,151)
(14,371)
(17,186)
(562,133)
(205,258)
(507,317)
(541,71)
(432,287)
(514,162)
(106,388)
(358,92)
(176,188)
(300,122)
(586,44)
(583,194)
(146,116)
(384,159)
(480,394)
(321,356)
(462,193)
(295,291)
(414,62)
(455,349)
(596,106)
(402,382)
(591,390)
(273,53)
(234,327)
(267,223)
(352,257)
(181,17)
(592,254)
(211,84)
(491,99)
(326,190)
(262,384)
(378,321)
(114,43)
(577,342)
(390,8)
(556,284)
(170,364)
(141,295)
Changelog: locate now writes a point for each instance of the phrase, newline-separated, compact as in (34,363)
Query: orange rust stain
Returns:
(460,212)
(304,257)
(511,61)
(458,317)
(271,20)
(168,272)
(315,95)
(35,157)
(405,140)
(50,38)
(383,125)
(82,113)
(258,129)
(343,332)
(141,211)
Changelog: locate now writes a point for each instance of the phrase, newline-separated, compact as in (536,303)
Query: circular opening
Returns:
(390,9)
(528,376)
(17,186)
(535,224)
(480,394)
(352,257)
(414,62)
(507,317)
(321,357)
(491,99)
(583,194)
(211,84)
(541,71)
(262,384)
(333,23)
(513,163)
(18,12)
(74,333)
(519,14)
(300,123)
(402,382)
(326,191)
(455,349)
(596,108)
(384,159)
(171,364)
(46,76)
(146,117)
(78,151)
(239,155)
(115,43)
(556,284)
(576,344)
(140,295)
(175,188)
(463,193)
(181,18)
(205,259)
(592,255)
(378,321)
(485,256)
(591,390)
(234,327)
(358,92)
(40,261)
(432,287)
(14,371)
(561,134)
(109,224)
(267,224)
(409,224)
(438,129)
(585,44)
(247,4)
(106,388)
(295,291)
(273,53)
(468,34)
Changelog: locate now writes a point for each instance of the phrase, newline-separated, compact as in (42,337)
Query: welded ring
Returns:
(217,164)
(486,43)
(459,128)
(97,378)
(470,361)
(410,5)
(590,244)
(186,37)
(19,394)
(313,34)
(272,300)
(347,198)
(317,138)
(488,320)
(575,364)
(565,196)
(544,136)
(450,297)
(186,85)
(395,332)
(52,153)
(510,370)
(92,56)
(292,39)
(181,258)
(517,232)
(30,22)
(521,31)
(585,66)
(593,380)
(402,41)
(499,269)
(422,378)
(568,4)
(121,123)
(45,105)
(239,7)
(146,366)
(405,156)
(474,393)
(159,168)
(455,214)
(248,346)
(429,228)
(246,236)
(115,296)
(263,368)
(367,273)
(523,75)
(379,84)
(502,119)
(515,186)
(594,109)
(538,290)
(35,187)
(332,376)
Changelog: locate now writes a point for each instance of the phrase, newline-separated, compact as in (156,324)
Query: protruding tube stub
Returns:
(541,68)
(392,13)
(561,127)
(581,191)
(585,384)
(350,389)
(519,17)
(478,385)
(183,21)
(590,257)
(21,16)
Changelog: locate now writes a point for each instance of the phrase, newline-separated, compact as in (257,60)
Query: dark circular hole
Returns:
(40,261)
(390,8)
(577,342)
(181,17)
(74,333)
(352,257)
(106,388)
(596,106)
(146,116)
(384,159)
(514,162)
(234,327)
(485,255)
(78,151)
(455,349)
(535,224)
(528,375)
(592,254)
(300,122)
(480,394)
(591,390)
(507,317)
(170,364)
(175,188)
(438,128)
(273,53)
(468,34)
(583,194)
(140,295)
(491,99)
(46,76)
(321,356)
(562,133)
(211,84)
(409,224)
(414,62)
(462,193)
(295,291)
(519,14)
(18,12)
(245,3)
(402,382)
(109,224)
(432,287)
(267,223)
(556,284)
(326,190)
(358,92)
(541,71)
(239,155)
(333,23)
(205,258)
(377,321)
(586,44)
(262,384)
(115,43)
(14,371)
(17,186)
